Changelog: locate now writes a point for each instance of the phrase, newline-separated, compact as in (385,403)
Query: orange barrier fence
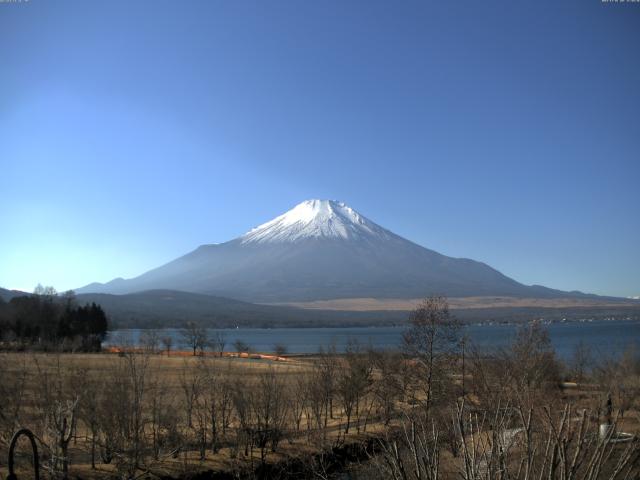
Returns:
(189,353)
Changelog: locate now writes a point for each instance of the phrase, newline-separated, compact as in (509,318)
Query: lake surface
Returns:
(602,337)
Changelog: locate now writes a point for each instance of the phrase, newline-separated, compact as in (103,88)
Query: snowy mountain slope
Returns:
(316,219)
(321,250)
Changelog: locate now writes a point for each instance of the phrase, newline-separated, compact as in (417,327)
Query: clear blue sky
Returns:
(133,131)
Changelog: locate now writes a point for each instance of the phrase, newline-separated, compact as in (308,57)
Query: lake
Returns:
(602,337)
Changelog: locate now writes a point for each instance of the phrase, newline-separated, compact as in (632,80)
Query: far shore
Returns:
(456,303)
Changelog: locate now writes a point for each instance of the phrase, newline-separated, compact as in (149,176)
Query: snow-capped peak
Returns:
(313,219)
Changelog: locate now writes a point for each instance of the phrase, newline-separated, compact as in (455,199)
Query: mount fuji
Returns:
(322,250)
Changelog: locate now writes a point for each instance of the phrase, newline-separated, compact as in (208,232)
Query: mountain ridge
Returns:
(322,250)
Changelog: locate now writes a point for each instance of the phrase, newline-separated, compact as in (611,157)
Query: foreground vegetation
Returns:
(438,409)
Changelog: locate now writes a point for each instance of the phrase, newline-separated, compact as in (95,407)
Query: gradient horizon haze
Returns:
(506,132)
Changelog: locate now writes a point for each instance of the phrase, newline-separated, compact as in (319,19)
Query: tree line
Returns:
(47,320)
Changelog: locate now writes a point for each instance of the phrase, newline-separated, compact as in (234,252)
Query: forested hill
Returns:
(170,308)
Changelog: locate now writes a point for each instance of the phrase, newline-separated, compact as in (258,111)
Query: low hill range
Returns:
(7,295)
(170,308)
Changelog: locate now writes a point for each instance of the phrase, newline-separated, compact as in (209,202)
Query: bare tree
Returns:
(619,377)
(225,398)
(551,444)
(89,407)
(195,337)
(326,367)
(628,388)
(242,394)
(57,405)
(45,291)
(280,349)
(526,373)
(218,342)
(150,340)
(387,384)
(353,381)
(412,453)
(431,340)
(61,427)
(13,382)
(581,362)
(532,366)
(298,396)
(216,400)
(318,403)
(498,445)
(490,380)
(269,407)
(191,380)
(241,346)
(202,407)
(123,414)
(167,343)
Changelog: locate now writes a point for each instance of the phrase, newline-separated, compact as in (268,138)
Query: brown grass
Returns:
(394,304)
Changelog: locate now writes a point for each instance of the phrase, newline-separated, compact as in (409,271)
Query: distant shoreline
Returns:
(457,303)
(487,323)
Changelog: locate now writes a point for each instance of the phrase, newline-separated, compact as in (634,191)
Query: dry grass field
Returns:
(42,382)
(429,414)
(458,303)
